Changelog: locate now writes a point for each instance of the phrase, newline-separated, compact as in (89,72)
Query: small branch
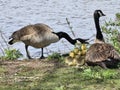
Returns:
(3,37)
(70,27)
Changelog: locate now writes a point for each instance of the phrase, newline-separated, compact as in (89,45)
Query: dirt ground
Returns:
(22,70)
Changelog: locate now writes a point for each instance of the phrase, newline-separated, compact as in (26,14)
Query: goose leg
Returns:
(26,48)
(103,65)
(42,54)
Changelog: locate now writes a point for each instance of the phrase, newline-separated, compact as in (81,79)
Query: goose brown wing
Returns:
(41,26)
(100,52)
(37,28)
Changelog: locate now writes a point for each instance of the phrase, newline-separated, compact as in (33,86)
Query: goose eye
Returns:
(10,37)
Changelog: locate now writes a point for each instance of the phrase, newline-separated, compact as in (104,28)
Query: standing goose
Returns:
(101,53)
(40,36)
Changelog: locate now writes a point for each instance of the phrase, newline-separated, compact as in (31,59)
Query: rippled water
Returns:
(15,14)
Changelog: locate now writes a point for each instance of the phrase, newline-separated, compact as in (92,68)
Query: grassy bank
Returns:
(54,75)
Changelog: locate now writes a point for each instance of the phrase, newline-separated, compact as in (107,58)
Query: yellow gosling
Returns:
(79,53)
(83,47)
(79,60)
(83,52)
(76,50)
(69,61)
(72,54)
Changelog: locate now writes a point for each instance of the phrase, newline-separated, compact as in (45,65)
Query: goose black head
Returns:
(67,37)
(98,13)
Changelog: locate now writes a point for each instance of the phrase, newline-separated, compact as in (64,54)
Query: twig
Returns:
(2,50)
(70,27)
(3,37)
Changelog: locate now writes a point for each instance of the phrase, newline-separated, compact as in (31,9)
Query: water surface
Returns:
(15,14)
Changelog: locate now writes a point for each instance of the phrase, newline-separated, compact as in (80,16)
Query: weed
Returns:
(11,54)
(111,30)
(118,16)
(7,52)
(55,56)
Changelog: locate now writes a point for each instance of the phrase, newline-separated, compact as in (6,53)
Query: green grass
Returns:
(69,78)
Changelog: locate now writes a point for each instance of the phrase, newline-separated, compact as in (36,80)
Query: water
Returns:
(15,14)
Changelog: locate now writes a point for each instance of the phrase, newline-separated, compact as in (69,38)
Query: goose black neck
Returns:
(66,36)
(99,35)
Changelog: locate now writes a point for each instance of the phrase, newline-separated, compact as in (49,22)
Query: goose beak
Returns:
(104,15)
(83,40)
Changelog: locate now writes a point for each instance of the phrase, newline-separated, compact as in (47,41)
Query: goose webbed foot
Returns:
(27,52)
(103,65)
(42,57)
(29,57)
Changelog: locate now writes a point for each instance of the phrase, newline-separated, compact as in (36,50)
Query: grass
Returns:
(52,75)
(72,79)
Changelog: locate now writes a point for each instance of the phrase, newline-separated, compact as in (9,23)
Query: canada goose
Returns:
(101,53)
(40,36)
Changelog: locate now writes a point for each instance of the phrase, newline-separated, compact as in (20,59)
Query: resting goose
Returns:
(101,53)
